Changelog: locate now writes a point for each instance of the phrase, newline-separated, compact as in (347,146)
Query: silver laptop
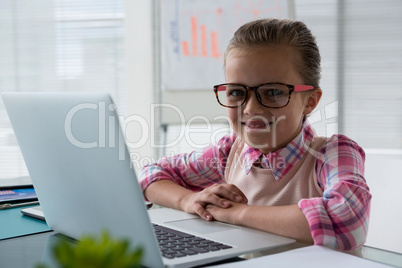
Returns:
(79,164)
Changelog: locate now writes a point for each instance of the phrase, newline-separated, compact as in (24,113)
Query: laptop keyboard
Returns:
(176,244)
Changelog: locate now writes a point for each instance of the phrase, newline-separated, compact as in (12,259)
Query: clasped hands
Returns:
(221,202)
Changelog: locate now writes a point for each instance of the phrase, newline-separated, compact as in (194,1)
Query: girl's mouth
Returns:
(257,124)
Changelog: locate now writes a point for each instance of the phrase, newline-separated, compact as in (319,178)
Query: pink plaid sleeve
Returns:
(340,218)
(194,171)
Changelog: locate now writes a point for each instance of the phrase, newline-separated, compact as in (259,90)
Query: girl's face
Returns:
(266,129)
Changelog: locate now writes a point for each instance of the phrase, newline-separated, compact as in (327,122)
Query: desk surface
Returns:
(23,252)
(15,224)
(27,251)
(23,242)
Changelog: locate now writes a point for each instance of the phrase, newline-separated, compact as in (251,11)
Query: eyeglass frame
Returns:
(292,88)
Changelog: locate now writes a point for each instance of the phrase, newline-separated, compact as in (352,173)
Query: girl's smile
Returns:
(256,124)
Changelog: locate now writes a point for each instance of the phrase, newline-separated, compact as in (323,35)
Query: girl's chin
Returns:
(263,141)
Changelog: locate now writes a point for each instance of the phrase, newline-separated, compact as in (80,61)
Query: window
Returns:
(57,45)
(361,49)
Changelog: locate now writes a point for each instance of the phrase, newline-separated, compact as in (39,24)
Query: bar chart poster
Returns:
(195,34)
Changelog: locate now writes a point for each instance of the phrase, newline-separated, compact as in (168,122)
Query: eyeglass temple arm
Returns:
(302,87)
(295,88)
(220,88)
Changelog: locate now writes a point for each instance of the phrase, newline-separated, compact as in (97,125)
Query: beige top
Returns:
(260,186)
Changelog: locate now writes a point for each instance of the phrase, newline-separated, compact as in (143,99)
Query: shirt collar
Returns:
(282,160)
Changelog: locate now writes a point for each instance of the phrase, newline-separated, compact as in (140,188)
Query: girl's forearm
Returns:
(287,221)
(167,193)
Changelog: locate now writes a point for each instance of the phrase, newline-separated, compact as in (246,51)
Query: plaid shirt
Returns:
(337,220)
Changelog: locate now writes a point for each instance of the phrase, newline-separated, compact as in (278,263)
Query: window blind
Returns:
(361,48)
(57,45)
(373,74)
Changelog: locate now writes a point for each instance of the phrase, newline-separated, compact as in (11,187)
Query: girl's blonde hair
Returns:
(287,33)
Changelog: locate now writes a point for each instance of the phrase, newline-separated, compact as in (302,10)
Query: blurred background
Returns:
(159,60)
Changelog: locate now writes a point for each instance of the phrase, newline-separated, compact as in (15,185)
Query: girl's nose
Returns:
(252,105)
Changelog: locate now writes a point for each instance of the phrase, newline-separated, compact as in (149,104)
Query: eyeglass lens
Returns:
(271,95)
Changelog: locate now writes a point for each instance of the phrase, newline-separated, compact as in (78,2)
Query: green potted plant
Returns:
(101,251)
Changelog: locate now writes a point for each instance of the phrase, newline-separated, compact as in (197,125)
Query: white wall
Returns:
(139,76)
(385,182)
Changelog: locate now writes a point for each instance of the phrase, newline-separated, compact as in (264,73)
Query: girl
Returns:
(273,173)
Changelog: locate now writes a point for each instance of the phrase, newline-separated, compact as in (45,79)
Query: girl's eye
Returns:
(274,92)
(271,92)
(236,92)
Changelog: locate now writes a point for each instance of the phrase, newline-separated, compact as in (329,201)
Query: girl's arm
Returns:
(191,181)
(340,218)
(287,221)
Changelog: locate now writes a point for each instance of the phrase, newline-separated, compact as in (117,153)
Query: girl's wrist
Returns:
(240,217)
(183,202)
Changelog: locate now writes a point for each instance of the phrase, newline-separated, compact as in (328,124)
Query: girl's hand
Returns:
(232,215)
(220,195)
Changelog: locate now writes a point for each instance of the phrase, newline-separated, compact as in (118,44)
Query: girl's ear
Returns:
(312,101)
